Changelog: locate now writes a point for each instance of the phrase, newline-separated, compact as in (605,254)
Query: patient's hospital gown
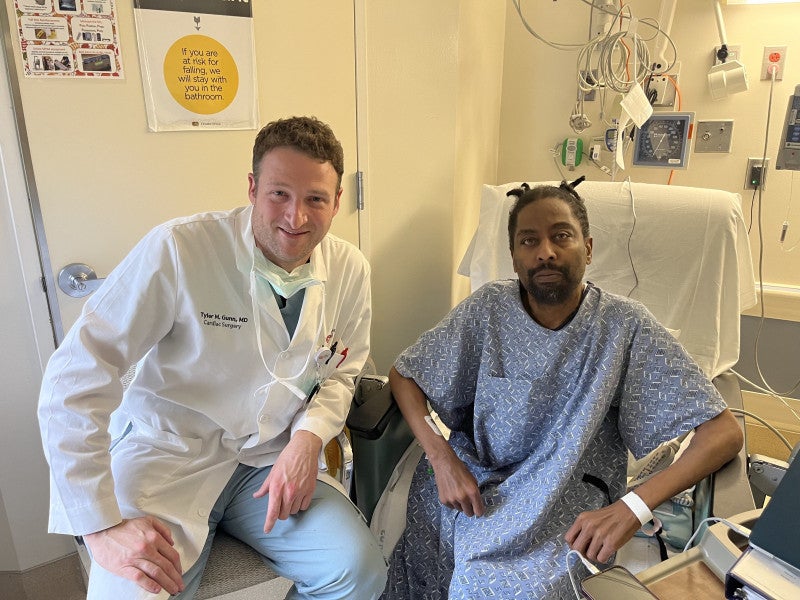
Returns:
(542,418)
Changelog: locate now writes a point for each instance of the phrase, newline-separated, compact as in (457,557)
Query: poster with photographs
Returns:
(69,38)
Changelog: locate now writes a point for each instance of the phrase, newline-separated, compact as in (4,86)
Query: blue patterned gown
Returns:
(532,413)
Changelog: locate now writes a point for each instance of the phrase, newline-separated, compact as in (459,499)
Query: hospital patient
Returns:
(545,383)
(248,328)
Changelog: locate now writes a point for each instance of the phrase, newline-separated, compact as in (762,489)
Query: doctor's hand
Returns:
(141,550)
(292,479)
(597,534)
(457,486)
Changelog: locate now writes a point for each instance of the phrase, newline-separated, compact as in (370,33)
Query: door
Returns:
(103,180)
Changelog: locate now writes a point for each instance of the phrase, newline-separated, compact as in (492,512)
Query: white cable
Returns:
(610,46)
(630,237)
(602,167)
(786,220)
(741,530)
(592,569)
(654,24)
(555,151)
(791,193)
(556,45)
(572,577)
(607,57)
(783,439)
(609,43)
(766,391)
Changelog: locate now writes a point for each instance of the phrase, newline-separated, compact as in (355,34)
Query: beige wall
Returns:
(434,73)
(481,44)
(538,95)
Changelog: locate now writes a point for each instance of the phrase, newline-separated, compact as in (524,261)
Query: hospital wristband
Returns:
(639,508)
(432,424)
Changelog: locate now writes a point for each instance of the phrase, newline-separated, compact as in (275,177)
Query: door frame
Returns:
(25,548)
(362,125)
(45,275)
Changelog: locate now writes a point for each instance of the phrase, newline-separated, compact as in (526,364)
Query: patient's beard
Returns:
(551,294)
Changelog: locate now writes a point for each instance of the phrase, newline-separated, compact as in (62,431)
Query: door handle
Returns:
(78,280)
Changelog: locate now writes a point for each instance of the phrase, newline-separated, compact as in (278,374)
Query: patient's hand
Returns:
(140,550)
(597,534)
(457,487)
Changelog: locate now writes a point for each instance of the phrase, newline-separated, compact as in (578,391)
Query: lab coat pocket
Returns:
(147,458)
(328,368)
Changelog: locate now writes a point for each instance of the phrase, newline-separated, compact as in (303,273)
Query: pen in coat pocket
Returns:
(312,393)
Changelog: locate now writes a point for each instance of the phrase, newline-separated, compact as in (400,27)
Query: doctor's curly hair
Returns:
(308,135)
(566,191)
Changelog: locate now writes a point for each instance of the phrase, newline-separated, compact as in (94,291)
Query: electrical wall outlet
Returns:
(756,174)
(713,136)
(734,53)
(773,55)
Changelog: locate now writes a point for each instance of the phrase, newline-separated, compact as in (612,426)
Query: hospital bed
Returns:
(683,252)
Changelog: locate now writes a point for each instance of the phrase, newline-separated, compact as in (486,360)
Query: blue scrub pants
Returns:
(327,550)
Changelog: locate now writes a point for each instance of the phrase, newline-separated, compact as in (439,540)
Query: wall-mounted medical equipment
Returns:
(617,56)
(663,140)
(728,76)
(571,152)
(789,149)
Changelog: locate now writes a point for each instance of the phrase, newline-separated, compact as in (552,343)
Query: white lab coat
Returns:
(180,306)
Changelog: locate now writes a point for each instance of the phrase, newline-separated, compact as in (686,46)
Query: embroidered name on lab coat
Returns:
(222,320)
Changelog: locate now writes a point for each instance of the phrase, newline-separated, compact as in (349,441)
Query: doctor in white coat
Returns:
(248,328)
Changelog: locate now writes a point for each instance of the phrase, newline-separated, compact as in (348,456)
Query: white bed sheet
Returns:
(689,260)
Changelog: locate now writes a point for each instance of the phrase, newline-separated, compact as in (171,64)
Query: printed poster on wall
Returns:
(69,38)
(198,65)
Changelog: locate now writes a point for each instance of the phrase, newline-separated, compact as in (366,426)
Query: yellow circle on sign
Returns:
(201,74)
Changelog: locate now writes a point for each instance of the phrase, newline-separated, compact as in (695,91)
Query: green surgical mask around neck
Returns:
(285,284)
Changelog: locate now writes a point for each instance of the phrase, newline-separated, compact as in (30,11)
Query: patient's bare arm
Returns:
(456,485)
(598,534)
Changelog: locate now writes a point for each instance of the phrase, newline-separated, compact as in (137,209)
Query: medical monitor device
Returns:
(663,141)
(789,150)
(770,565)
